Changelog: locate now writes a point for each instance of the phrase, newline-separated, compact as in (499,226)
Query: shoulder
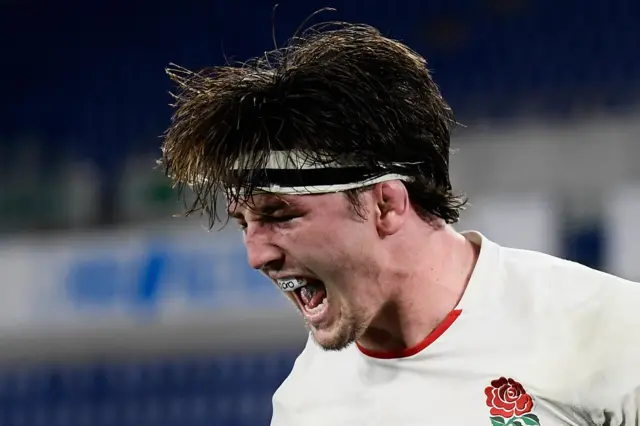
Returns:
(547,290)
(584,324)
(300,368)
(570,283)
(313,369)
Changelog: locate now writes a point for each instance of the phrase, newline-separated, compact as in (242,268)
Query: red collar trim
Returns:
(404,353)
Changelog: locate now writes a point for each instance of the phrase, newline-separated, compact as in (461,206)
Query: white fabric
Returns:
(324,189)
(570,335)
(301,160)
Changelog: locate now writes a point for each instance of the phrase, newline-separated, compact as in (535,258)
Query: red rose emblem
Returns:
(507,398)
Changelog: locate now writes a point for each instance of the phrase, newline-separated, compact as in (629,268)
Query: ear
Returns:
(392,205)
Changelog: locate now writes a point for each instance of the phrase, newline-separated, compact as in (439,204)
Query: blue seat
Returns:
(226,390)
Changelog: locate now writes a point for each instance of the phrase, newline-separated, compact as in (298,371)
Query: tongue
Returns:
(312,294)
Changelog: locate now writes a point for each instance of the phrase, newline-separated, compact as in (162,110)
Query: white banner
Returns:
(101,278)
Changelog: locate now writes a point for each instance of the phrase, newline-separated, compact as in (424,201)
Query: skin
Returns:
(391,276)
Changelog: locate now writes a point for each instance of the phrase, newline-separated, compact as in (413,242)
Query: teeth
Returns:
(291,284)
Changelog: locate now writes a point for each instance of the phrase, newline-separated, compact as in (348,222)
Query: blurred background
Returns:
(114,313)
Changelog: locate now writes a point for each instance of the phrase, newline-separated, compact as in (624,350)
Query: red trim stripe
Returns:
(404,353)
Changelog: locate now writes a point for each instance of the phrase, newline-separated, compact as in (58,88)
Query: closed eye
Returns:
(277,219)
(266,220)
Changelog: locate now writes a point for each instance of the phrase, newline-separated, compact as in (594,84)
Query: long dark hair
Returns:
(336,89)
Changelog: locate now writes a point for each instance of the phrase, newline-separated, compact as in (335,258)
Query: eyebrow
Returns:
(268,208)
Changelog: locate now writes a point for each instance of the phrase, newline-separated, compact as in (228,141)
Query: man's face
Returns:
(321,239)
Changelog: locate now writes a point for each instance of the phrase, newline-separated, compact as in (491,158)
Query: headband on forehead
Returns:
(296,172)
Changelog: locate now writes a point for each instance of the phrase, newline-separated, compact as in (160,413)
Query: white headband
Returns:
(299,160)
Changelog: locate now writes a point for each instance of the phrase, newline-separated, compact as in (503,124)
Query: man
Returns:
(332,154)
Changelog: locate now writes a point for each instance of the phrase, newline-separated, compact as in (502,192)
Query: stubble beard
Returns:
(345,332)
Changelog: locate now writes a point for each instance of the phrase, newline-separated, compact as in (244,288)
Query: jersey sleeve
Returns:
(618,378)
(281,412)
(627,358)
(597,348)
(630,409)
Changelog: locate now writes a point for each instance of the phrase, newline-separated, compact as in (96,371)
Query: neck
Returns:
(426,278)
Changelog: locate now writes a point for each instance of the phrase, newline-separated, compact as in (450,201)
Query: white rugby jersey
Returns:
(535,340)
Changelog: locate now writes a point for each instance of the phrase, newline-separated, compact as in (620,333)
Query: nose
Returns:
(261,252)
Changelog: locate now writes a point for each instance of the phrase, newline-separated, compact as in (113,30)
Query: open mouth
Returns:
(311,294)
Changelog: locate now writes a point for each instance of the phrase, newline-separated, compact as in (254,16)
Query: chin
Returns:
(336,337)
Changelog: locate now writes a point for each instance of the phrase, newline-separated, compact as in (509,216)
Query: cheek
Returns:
(338,248)
(320,249)
(349,251)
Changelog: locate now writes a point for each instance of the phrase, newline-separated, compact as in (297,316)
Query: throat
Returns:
(391,342)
